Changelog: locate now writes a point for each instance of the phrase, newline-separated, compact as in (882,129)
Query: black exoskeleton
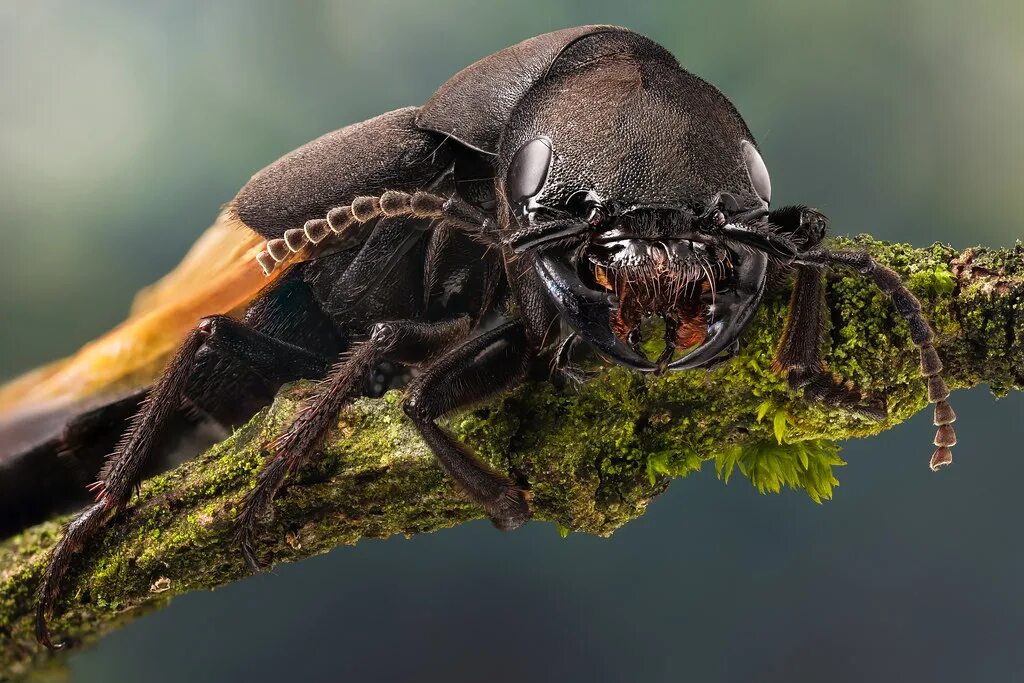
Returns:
(556,193)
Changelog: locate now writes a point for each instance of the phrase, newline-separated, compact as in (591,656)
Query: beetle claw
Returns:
(730,312)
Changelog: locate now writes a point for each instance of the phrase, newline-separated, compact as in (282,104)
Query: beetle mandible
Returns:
(556,193)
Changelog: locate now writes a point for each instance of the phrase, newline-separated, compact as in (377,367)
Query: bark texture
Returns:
(594,457)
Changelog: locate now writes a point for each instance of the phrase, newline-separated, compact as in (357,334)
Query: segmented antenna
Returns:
(340,222)
(922,335)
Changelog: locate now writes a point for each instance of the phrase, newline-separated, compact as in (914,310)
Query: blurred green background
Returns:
(125,125)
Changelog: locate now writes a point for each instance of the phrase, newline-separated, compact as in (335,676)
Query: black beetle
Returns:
(560,191)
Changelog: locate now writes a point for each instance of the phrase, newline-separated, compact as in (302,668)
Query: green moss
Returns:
(770,465)
(593,458)
(932,282)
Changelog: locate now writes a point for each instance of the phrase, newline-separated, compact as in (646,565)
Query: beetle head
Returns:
(638,191)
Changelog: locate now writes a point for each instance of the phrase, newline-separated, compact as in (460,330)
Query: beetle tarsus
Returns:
(562,367)
(76,534)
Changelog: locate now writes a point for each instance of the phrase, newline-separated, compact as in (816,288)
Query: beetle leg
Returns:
(407,342)
(482,367)
(799,352)
(801,225)
(921,334)
(790,231)
(259,352)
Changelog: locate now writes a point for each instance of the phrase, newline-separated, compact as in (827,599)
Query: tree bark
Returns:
(593,457)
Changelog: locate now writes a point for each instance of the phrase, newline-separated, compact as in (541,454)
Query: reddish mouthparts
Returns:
(680,307)
(652,279)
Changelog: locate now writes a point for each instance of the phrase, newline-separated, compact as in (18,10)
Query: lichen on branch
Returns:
(594,457)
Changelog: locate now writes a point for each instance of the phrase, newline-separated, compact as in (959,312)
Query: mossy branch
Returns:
(594,458)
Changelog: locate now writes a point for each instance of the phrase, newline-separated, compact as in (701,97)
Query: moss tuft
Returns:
(770,465)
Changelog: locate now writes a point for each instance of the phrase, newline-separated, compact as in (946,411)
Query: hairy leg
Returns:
(123,469)
(799,352)
(407,342)
(482,367)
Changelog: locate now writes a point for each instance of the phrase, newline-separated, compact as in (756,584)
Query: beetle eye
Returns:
(528,171)
(718,218)
(757,171)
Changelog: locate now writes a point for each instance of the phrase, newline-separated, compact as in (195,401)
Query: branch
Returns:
(594,458)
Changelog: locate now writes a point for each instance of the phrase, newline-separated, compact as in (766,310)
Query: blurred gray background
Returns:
(125,125)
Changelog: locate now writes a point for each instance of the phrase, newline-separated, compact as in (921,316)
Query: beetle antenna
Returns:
(921,334)
(342,226)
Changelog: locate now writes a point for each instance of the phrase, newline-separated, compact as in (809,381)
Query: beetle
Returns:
(560,192)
